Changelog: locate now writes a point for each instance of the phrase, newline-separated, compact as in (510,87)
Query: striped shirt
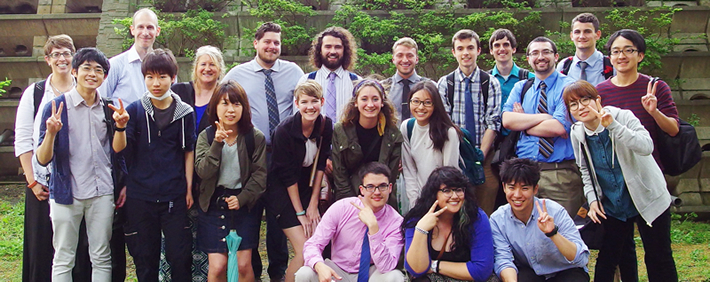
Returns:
(629,97)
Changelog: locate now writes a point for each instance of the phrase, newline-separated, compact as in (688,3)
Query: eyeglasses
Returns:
(56,55)
(627,52)
(574,105)
(546,52)
(384,187)
(448,192)
(98,71)
(417,102)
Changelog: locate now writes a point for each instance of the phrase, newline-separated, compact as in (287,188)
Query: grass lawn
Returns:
(691,243)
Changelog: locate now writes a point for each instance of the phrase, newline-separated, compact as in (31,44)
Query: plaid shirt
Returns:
(487,115)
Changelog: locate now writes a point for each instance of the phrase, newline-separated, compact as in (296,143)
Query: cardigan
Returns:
(186,91)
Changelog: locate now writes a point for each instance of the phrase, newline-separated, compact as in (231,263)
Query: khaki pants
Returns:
(562,183)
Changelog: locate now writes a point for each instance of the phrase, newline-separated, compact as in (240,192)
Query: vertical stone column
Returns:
(44,7)
(59,6)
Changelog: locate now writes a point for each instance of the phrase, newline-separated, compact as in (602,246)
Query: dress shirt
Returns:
(487,116)
(341,224)
(517,242)
(251,77)
(594,70)
(395,94)
(90,152)
(343,87)
(528,145)
(125,79)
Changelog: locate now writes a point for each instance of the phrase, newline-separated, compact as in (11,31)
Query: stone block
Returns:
(706,198)
(691,199)
(44,9)
(687,185)
(59,9)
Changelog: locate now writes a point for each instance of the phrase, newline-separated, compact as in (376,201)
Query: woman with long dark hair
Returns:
(432,140)
(447,236)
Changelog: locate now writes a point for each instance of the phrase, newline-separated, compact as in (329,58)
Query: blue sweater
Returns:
(155,158)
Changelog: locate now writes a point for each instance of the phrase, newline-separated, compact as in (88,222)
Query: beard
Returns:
(265,58)
(546,69)
(332,65)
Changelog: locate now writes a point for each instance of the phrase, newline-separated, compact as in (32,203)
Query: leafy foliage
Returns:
(4,84)
(292,16)
(11,229)
(190,5)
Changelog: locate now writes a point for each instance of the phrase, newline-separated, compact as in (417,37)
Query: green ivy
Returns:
(292,16)
(4,84)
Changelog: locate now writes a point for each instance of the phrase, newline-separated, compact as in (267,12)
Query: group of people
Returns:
(117,154)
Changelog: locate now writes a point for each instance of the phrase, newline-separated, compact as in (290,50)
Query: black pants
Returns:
(276,247)
(576,274)
(145,221)
(619,249)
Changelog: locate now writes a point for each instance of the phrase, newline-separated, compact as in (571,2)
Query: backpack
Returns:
(470,157)
(506,146)
(210,131)
(522,74)
(39,92)
(608,70)
(312,75)
(484,77)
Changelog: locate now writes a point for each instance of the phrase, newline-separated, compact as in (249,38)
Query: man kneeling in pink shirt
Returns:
(365,232)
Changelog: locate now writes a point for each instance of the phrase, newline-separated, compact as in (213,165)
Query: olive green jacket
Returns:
(347,158)
(252,169)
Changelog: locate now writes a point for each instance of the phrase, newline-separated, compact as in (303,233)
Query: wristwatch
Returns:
(435,266)
(553,232)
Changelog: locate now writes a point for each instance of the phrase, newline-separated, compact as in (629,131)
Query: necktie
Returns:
(545,143)
(583,66)
(271,103)
(363,273)
(405,99)
(330,97)
(469,121)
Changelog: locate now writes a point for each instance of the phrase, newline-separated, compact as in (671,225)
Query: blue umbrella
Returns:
(233,242)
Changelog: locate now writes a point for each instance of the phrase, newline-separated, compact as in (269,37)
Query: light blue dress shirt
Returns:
(594,68)
(125,79)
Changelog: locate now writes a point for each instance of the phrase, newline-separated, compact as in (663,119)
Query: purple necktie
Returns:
(330,97)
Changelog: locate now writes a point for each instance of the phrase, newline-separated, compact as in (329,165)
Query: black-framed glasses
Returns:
(56,55)
(384,187)
(574,105)
(546,52)
(627,51)
(450,191)
(417,102)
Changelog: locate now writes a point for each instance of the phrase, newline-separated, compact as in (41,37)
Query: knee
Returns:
(245,267)
(392,276)
(306,274)
(218,269)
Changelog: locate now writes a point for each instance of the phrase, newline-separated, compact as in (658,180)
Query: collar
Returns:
(132,54)
(513,71)
(533,214)
(461,76)
(396,78)
(599,129)
(340,72)
(593,60)
(74,99)
(296,129)
(254,66)
(549,81)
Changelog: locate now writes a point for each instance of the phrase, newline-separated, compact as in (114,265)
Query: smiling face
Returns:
(158,84)
(268,48)
(309,106)
(521,198)
(59,60)
(332,52)
(145,29)
(89,76)
(229,113)
(369,102)
(541,57)
(584,36)
(622,62)
(450,197)
(206,70)
(580,109)
(422,112)
(376,199)
(466,52)
(502,50)
(405,59)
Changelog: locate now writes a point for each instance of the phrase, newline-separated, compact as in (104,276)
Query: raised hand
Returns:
(120,115)
(545,222)
(596,210)
(649,101)
(220,134)
(366,215)
(54,122)
(606,118)
(429,220)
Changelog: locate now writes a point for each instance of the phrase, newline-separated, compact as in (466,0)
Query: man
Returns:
(503,46)
(473,99)
(270,82)
(126,80)
(405,59)
(334,53)
(75,137)
(587,63)
(541,116)
(552,251)
(365,232)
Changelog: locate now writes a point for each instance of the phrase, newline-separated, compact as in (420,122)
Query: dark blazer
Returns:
(186,91)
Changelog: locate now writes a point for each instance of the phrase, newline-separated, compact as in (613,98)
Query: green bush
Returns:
(3,84)
(292,16)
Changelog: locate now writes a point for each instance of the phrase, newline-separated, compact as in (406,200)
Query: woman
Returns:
(433,140)
(447,236)
(38,249)
(300,142)
(367,132)
(207,70)
(231,161)
(614,154)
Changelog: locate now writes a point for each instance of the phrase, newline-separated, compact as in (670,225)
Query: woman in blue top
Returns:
(447,236)
(614,154)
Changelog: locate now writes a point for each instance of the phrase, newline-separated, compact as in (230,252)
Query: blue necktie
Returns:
(271,103)
(546,143)
(364,273)
(469,120)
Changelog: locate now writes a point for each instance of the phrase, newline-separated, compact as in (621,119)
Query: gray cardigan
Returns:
(633,146)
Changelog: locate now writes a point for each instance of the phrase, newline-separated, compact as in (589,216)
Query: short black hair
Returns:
(90,54)
(543,39)
(634,36)
(374,168)
(517,170)
(160,61)
(501,33)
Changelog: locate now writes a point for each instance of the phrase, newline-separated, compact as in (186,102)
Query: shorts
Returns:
(215,224)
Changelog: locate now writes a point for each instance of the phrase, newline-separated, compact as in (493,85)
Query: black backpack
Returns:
(39,92)
(607,71)
(312,75)
(484,77)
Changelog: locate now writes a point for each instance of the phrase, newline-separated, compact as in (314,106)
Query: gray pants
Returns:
(307,274)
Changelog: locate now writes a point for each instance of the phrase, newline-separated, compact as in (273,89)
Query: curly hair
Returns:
(462,223)
(349,47)
(351,114)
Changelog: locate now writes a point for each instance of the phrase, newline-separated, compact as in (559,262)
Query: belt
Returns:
(568,164)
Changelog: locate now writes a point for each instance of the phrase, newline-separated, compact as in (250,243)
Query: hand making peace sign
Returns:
(649,101)
(220,134)
(545,222)
(54,122)
(605,117)
(366,215)
(120,115)
(431,218)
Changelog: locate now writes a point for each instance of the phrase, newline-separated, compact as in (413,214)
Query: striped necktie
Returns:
(546,143)
(271,103)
